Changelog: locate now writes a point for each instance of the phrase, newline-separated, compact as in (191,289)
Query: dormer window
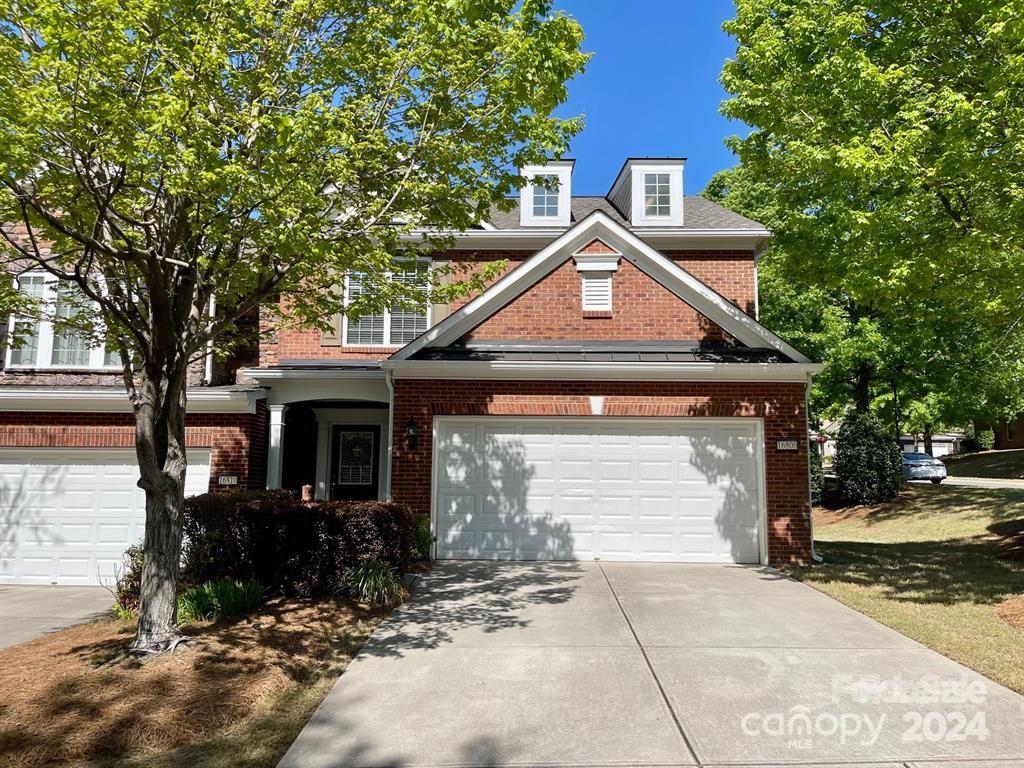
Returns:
(657,195)
(649,191)
(545,197)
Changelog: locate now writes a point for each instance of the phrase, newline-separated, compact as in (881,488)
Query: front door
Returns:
(355,470)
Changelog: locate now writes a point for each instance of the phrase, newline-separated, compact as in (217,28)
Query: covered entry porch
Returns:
(329,428)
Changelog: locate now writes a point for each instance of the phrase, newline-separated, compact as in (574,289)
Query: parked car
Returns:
(921,466)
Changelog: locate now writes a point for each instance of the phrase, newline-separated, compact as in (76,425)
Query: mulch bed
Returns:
(75,695)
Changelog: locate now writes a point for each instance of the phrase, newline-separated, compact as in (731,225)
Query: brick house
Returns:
(611,395)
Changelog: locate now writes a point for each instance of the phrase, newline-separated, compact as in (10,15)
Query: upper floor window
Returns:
(395,326)
(46,343)
(545,198)
(657,195)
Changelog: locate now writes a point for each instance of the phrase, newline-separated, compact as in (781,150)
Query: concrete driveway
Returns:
(581,664)
(26,612)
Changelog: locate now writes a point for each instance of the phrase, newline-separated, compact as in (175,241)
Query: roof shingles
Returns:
(698,213)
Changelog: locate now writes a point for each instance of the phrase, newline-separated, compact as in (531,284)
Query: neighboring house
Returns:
(943,443)
(611,396)
(1009,433)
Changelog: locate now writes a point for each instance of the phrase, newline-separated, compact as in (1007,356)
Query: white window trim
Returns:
(387,320)
(675,194)
(44,352)
(563,173)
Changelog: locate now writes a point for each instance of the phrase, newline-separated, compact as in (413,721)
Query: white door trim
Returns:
(759,456)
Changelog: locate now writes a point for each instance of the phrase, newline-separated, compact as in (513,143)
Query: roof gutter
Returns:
(599,371)
(112,400)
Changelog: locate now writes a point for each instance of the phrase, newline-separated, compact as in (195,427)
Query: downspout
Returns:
(389,377)
(815,557)
(208,374)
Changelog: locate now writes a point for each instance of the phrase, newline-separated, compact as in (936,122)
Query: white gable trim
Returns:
(698,295)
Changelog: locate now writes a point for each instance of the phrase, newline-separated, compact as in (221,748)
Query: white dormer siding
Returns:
(649,191)
(540,204)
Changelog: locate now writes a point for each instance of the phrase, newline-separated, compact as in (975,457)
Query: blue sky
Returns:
(651,87)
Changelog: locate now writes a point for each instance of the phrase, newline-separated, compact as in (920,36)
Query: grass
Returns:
(1008,465)
(928,566)
(235,700)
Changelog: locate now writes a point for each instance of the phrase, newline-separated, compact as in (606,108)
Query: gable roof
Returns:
(699,213)
(599,224)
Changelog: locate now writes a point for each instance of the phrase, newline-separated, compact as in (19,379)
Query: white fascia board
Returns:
(298,374)
(88,399)
(663,270)
(598,371)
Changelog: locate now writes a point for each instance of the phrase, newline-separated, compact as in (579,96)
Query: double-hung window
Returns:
(657,195)
(46,342)
(545,198)
(394,326)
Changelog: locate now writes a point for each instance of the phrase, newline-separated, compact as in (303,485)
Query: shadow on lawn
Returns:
(930,572)
(922,502)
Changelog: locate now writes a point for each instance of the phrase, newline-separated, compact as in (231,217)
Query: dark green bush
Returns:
(986,439)
(867,461)
(817,477)
(422,538)
(219,599)
(128,583)
(291,547)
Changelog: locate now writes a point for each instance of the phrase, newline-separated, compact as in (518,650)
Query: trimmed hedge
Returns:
(291,547)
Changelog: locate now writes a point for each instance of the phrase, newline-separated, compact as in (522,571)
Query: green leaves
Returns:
(887,152)
(267,147)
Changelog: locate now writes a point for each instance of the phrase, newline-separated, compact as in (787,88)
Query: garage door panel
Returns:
(68,515)
(654,489)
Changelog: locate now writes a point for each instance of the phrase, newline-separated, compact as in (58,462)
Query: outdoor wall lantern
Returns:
(410,434)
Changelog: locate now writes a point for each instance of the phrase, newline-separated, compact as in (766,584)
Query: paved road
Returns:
(29,611)
(615,664)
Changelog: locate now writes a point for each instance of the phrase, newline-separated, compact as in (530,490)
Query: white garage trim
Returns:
(758,457)
(68,514)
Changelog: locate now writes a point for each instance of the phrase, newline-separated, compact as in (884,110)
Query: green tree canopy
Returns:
(161,153)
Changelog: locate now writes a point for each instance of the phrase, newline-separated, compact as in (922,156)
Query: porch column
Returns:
(274,445)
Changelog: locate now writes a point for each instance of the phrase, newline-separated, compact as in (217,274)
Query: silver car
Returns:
(921,466)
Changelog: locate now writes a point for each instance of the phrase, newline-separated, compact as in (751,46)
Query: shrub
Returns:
(867,461)
(422,538)
(292,547)
(128,584)
(986,439)
(817,477)
(219,599)
(374,583)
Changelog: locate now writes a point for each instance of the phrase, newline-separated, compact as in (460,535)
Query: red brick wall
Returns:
(642,309)
(731,273)
(237,441)
(779,405)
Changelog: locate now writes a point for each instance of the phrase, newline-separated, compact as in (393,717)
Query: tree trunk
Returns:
(928,439)
(160,446)
(862,389)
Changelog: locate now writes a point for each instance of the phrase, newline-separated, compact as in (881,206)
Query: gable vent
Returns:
(597,291)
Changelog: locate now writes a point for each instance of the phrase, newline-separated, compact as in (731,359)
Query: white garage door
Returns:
(67,515)
(680,490)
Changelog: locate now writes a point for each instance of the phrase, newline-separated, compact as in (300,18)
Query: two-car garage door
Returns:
(680,490)
(68,514)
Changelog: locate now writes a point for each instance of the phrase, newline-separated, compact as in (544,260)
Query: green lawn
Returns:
(995,464)
(927,566)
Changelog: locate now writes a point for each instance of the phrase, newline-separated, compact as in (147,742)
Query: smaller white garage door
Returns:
(678,490)
(67,515)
